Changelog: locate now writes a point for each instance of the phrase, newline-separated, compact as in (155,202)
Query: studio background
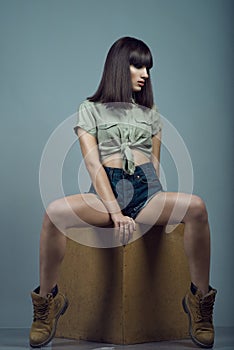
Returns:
(52,56)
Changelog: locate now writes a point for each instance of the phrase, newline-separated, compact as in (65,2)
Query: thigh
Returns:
(78,210)
(165,208)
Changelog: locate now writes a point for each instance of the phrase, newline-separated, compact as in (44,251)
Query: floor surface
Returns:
(17,339)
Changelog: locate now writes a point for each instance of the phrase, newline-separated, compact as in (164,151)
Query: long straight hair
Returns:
(115,84)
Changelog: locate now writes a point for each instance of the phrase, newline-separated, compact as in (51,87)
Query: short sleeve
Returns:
(156,121)
(86,119)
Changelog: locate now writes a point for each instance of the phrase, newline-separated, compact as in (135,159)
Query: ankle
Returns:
(204,290)
(193,288)
(43,292)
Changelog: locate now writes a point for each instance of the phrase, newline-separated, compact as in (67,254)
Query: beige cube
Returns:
(126,295)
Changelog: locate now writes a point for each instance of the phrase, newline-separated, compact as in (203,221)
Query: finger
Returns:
(116,225)
(121,232)
(131,229)
(128,231)
(133,225)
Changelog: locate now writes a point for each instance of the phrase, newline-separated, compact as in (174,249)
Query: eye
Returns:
(137,66)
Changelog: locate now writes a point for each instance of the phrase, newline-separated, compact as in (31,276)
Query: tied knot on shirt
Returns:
(128,159)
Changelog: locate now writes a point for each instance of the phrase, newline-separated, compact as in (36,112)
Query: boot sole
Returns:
(186,310)
(62,312)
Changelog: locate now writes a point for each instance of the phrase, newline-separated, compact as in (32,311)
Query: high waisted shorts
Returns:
(133,192)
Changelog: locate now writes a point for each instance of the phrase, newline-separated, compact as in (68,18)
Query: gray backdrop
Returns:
(52,55)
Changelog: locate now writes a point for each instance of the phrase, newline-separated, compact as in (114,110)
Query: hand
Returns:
(125,227)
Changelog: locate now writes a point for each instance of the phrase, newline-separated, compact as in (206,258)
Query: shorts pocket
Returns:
(148,175)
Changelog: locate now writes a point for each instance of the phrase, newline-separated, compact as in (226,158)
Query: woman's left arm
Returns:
(156,147)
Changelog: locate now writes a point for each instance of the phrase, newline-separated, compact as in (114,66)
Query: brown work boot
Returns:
(47,311)
(200,313)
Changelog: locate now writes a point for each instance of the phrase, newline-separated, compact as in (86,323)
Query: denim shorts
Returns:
(133,192)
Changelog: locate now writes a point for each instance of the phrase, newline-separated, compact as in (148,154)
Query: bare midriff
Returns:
(115,160)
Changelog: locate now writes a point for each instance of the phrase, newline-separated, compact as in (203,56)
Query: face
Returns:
(138,77)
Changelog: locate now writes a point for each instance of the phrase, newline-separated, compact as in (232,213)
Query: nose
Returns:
(144,73)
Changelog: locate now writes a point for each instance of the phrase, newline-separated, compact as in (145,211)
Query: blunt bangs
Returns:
(141,57)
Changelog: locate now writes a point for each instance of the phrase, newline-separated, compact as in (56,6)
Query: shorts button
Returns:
(138,176)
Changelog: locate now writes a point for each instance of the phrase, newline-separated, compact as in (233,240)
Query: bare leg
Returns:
(72,211)
(170,208)
(52,250)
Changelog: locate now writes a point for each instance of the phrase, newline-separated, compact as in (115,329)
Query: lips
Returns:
(141,83)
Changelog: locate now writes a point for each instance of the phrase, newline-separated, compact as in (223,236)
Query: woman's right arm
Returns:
(89,149)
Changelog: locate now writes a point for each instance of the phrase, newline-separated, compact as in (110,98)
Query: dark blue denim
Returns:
(133,191)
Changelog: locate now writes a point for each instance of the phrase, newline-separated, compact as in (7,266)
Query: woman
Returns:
(119,132)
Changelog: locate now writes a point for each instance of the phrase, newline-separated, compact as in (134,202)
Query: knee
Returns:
(197,209)
(53,215)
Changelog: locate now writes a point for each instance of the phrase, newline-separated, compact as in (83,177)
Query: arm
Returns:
(156,147)
(89,149)
(96,171)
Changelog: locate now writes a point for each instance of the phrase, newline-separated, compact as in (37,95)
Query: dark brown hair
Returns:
(115,85)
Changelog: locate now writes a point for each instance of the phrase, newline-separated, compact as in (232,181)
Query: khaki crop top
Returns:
(120,127)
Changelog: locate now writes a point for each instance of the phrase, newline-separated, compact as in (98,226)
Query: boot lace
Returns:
(204,310)
(207,306)
(41,310)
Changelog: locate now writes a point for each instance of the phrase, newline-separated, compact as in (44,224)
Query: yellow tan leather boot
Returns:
(47,311)
(200,314)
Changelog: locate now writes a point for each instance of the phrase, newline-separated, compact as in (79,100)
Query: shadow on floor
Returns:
(17,339)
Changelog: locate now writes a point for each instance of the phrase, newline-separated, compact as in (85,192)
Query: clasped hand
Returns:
(124,226)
